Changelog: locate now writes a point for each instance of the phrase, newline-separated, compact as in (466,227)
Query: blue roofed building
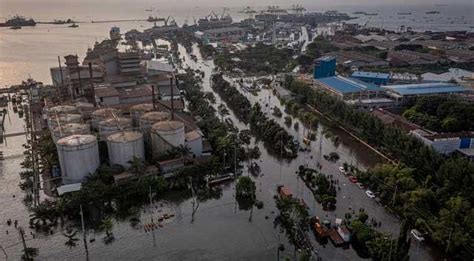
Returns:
(372,77)
(405,91)
(348,88)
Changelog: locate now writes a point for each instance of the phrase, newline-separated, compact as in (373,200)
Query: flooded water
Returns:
(220,230)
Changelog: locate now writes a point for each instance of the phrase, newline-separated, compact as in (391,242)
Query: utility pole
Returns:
(22,235)
(84,236)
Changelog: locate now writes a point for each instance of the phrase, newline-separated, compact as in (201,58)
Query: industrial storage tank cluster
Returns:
(102,115)
(70,129)
(166,135)
(114,125)
(138,110)
(78,157)
(124,146)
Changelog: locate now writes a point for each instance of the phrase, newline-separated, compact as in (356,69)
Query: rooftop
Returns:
(376,75)
(192,135)
(347,85)
(425,88)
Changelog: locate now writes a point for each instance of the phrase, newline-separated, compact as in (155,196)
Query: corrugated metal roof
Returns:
(425,88)
(375,75)
(348,85)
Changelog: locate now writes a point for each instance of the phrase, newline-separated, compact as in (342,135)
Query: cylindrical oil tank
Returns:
(103,114)
(85,109)
(148,119)
(166,135)
(61,109)
(70,129)
(138,110)
(114,125)
(53,121)
(78,157)
(124,146)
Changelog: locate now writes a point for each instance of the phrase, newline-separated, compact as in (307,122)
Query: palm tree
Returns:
(70,234)
(107,225)
(137,166)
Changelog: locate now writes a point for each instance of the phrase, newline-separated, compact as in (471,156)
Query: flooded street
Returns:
(220,230)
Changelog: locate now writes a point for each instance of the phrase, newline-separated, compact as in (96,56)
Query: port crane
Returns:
(249,12)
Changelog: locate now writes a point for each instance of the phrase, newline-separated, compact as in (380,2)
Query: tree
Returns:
(107,225)
(245,194)
(137,166)
(70,234)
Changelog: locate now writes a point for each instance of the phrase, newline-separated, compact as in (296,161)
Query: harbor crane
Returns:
(249,12)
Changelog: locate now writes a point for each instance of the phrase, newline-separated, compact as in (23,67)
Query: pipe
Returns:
(92,85)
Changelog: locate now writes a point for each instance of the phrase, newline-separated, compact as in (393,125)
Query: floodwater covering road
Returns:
(220,230)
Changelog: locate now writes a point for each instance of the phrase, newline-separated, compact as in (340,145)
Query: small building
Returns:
(372,77)
(356,59)
(445,143)
(394,120)
(107,95)
(404,91)
(167,167)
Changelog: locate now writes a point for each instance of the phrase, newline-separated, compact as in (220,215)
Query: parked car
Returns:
(417,235)
(353,179)
(370,194)
(361,186)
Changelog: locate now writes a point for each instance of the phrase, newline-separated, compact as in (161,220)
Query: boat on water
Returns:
(74,25)
(371,14)
(403,13)
(17,22)
(358,12)
(432,12)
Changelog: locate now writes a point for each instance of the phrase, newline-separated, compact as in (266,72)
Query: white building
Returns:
(445,143)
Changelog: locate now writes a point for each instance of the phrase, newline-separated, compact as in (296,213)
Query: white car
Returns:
(342,170)
(417,235)
(370,194)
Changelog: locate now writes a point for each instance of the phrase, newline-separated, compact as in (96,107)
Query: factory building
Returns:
(219,35)
(372,77)
(403,92)
(324,67)
(348,88)
(445,143)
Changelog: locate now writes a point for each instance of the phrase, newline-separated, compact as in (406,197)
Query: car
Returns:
(361,186)
(417,235)
(353,179)
(342,170)
(370,194)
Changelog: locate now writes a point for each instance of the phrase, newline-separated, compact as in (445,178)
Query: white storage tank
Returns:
(123,146)
(114,125)
(85,109)
(166,135)
(70,129)
(78,157)
(148,119)
(63,119)
(103,114)
(138,110)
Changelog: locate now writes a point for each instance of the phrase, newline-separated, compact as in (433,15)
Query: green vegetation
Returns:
(434,191)
(237,102)
(256,60)
(442,114)
(277,138)
(315,49)
(294,218)
(323,189)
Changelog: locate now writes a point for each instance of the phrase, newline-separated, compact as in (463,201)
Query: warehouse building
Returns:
(372,77)
(405,91)
(348,88)
(446,143)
